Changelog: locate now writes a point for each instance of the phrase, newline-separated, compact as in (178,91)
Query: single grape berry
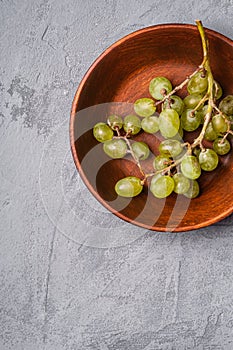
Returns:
(132,124)
(150,124)
(193,190)
(170,147)
(219,124)
(115,122)
(174,102)
(198,83)
(221,146)
(191,101)
(155,178)
(115,148)
(210,133)
(144,107)
(182,183)
(140,150)
(102,132)
(161,162)
(159,87)
(130,186)
(226,105)
(190,120)
(169,122)
(162,186)
(208,159)
(190,167)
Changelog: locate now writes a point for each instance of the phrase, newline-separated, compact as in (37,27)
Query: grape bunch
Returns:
(179,164)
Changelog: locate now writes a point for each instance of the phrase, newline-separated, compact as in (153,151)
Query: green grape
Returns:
(102,132)
(175,103)
(202,111)
(162,186)
(150,124)
(115,148)
(155,178)
(169,122)
(162,161)
(217,90)
(198,83)
(182,183)
(219,124)
(190,167)
(159,86)
(132,124)
(210,133)
(226,105)
(191,101)
(144,107)
(193,190)
(115,122)
(221,146)
(130,186)
(170,147)
(190,120)
(140,150)
(208,159)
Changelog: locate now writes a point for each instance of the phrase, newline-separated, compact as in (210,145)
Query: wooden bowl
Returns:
(118,77)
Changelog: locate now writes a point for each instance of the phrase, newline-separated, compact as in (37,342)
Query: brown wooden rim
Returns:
(72,121)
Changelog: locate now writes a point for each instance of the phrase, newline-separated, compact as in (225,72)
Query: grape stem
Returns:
(130,150)
(228,132)
(223,115)
(178,87)
(134,157)
(204,66)
(203,100)
(209,95)
(167,169)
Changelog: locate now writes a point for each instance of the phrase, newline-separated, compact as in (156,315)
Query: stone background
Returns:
(80,282)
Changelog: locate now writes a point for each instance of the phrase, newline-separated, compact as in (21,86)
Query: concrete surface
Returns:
(81,282)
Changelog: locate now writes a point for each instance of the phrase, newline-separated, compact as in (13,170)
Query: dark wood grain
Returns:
(122,74)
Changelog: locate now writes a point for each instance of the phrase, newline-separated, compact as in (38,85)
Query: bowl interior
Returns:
(112,84)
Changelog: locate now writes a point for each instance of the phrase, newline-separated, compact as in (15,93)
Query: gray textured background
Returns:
(80,282)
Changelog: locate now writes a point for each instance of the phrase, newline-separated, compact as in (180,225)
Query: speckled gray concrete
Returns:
(59,288)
